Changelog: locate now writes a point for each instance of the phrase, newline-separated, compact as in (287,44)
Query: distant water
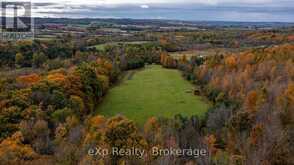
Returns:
(244,14)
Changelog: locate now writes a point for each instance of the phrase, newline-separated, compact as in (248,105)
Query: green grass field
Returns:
(153,91)
(102,46)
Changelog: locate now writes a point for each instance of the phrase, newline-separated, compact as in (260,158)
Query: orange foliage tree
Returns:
(29,80)
(12,150)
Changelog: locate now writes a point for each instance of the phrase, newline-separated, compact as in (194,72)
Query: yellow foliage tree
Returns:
(57,77)
(104,80)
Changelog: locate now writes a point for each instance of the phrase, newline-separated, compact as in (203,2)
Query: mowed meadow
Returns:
(153,91)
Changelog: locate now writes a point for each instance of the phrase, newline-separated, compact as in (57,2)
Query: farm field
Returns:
(153,91)
(102,46)
(194,53)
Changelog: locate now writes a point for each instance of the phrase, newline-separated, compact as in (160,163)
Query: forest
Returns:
(51,92)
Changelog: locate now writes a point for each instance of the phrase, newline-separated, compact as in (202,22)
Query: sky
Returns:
(192,10)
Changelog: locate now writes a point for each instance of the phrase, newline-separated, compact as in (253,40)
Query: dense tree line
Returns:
(133,56)
(34,53)
(222,38)
(55,95)
(252,92)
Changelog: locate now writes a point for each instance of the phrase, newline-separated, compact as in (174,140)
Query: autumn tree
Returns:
(152,131)
(30,79)
(12,150)
(19,59)
(251,101)
(231,62)
(122,133)
(91,85)
(39,59)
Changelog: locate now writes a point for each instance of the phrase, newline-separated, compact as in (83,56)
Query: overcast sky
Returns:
(205,2)
(211,2)
(207,10)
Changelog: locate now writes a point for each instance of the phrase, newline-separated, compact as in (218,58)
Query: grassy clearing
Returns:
(153,91)
(102,46)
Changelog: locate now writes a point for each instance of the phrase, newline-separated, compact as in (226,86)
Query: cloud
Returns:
(144,6)
(43,4)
